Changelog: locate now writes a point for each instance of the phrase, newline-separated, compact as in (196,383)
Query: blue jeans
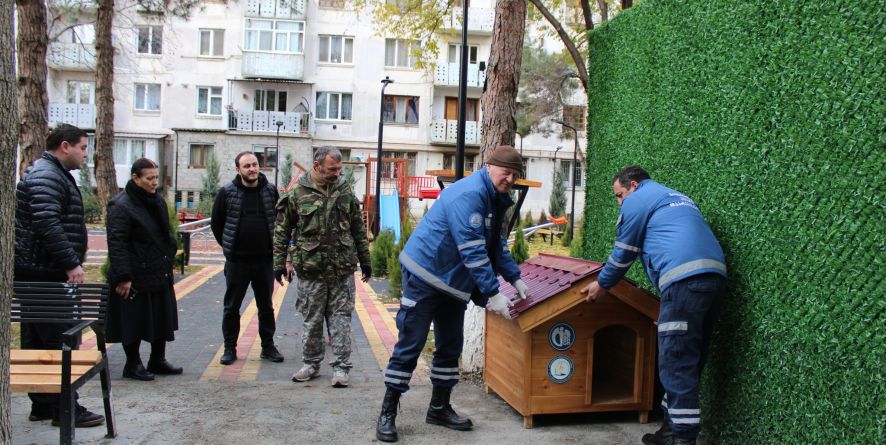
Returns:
(413,323)
(689,309)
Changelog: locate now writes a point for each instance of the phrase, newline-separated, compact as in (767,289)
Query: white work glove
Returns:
(522,289)
(500,304)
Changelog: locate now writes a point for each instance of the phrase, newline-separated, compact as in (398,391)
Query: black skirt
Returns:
(148,316)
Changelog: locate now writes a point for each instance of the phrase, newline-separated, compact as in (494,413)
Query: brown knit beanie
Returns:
(506,156)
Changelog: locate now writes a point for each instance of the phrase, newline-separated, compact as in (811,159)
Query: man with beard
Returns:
(319,236)
(243,224)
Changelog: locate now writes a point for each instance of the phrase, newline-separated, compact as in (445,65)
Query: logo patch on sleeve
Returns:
(476,220)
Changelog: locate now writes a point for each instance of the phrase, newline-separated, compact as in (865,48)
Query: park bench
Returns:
(62,371)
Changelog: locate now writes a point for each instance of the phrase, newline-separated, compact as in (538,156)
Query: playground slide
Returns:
(390,214)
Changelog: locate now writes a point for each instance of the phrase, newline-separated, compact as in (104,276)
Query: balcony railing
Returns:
(448,74)
(71,56)
(82,116)
(446,131)
(480,20)
(265,121)
(279,9)
(273,65)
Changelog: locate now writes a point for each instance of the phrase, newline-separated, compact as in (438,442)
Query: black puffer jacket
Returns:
(50,231)
(227,210)
(140,250)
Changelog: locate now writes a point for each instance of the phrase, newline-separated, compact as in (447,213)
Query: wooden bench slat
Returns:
(48,357)
(41,383)
(56,370)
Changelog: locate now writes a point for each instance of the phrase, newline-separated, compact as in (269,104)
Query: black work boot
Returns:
(440,412)
(386,428)
(681,439)
(660,437)
(229,356)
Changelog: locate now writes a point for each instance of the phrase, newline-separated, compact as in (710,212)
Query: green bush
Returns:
(557,204)
(92,208)
(542,218)
(380,252)
(527,220)
(520,249)
(395,277)
(770,115)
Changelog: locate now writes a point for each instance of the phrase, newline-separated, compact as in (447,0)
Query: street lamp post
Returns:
(376,224)
(574,161)
(277,155)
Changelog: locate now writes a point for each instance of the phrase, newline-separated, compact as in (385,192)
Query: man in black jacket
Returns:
(243,224)
(50,245)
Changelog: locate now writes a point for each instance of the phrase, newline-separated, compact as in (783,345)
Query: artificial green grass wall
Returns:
(772,116)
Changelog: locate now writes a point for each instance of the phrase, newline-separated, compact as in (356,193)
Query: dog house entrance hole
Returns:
(615,357)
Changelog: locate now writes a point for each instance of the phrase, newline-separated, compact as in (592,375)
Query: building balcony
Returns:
(82,116)
(70,56)
(277,9)
(266,65)
(265,121)
(444,131)
(447,74)
(480,20)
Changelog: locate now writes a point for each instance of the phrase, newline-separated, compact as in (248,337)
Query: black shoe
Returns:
(271,353)
(163,367)
(40,412)
(386,427)
(660,437)
(229,356)
(137,372)
(679,439)
(440,412)
(83,419)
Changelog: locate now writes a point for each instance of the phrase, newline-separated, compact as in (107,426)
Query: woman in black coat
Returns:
(141,249)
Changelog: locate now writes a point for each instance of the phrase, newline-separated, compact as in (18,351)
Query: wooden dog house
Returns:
(561,354)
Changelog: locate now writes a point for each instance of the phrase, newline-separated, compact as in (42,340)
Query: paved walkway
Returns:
(254,400)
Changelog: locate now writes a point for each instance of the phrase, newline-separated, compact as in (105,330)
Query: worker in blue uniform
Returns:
(685,263)
(452,257)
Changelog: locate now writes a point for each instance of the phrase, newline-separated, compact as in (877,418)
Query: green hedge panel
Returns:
(772,116)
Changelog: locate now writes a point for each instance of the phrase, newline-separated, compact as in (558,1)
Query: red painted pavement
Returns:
(387,337)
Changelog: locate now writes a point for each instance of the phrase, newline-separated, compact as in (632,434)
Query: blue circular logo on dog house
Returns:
(560,369)
(561,336)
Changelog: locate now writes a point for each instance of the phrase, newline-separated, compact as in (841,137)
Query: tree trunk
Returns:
(499,100)
(625,4)
(33,102)
(8,142)
(604,10)
(105,175)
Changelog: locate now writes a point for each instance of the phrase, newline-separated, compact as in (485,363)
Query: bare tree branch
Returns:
(582,69)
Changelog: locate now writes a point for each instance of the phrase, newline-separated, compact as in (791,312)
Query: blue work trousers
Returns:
(689,309)
(419,306)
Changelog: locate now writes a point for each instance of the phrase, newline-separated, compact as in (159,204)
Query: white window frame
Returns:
(400,118)
(127,146)
(212,94)
(397,44)
(214,36)
(77,86)
(152,30)
(261,97)
(252,36)
(145,93)
(570,171)
(339,113)
(327,40)
(455,53)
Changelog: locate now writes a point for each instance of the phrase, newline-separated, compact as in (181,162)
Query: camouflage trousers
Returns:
(329,299)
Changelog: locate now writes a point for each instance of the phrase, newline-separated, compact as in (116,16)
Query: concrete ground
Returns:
(254,402)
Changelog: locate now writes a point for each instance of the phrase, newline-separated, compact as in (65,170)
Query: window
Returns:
(332,4)
(334,106)
(199,154)
(565,167)
(212,42)
(267,156)
(147,97)
(388,167)
(449,162)
(126,151)
(150,39)
(209,101)
(398,52)
(83,34)
(401,109)
(472,106)
(455,54)
(336,49)
(281,36)
(81,92)
(270,100)
(575,115)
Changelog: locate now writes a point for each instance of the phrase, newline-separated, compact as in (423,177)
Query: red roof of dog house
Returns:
(547,275)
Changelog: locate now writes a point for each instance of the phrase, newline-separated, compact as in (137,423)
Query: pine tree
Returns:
(380,252)
(286,171)
(558,194)
(528,221)
(520,249)
(210,185)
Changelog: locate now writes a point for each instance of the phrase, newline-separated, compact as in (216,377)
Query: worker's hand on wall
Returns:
(500,304)
(522,289)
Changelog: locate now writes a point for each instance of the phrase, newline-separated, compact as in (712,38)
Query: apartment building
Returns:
(282,77)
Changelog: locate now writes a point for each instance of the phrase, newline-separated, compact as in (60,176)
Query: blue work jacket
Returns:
(665,228)
(458,248)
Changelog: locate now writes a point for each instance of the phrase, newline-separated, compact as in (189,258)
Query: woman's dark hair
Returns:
(64,132)
(141,164)
(628,174)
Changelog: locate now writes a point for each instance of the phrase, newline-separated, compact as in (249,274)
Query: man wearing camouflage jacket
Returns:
(319,235)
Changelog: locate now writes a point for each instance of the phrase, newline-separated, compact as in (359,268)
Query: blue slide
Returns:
(390,214)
